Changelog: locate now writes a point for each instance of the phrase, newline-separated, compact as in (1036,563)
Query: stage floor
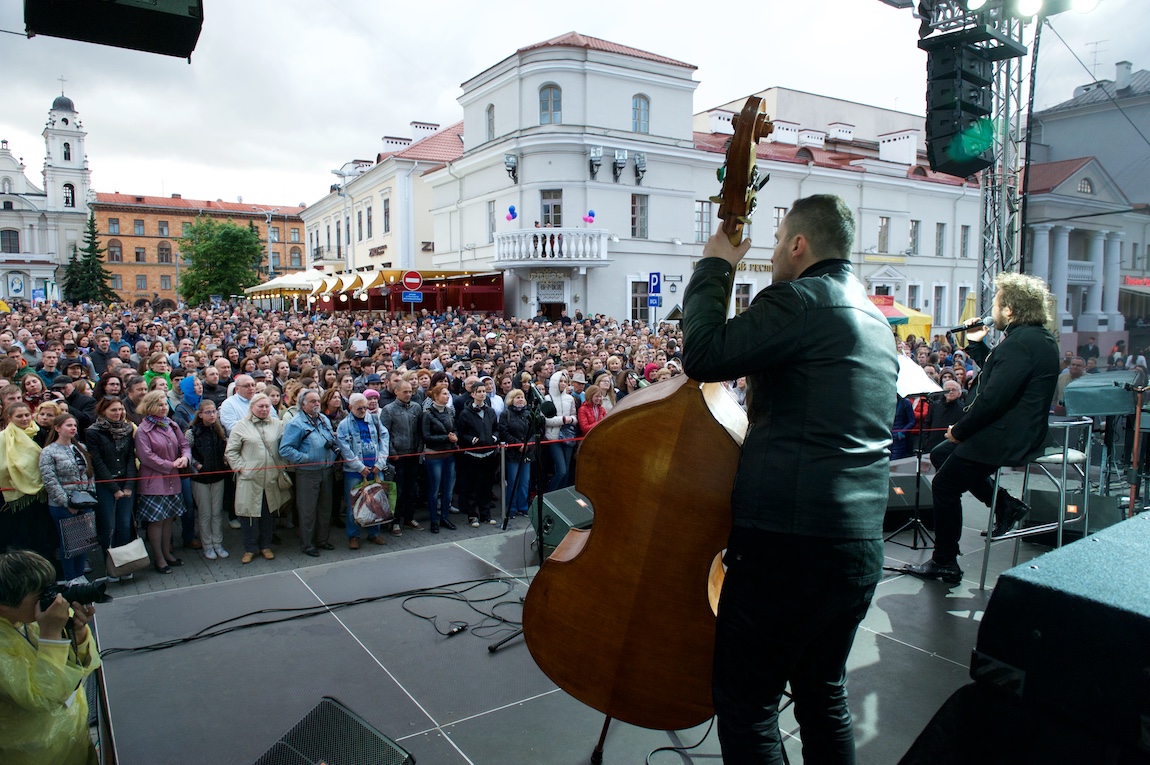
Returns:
(227,699)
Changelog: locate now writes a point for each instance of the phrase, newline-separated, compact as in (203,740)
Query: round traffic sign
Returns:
(412,280)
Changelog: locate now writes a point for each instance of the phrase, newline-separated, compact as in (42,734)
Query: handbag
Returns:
(78,534)
(373,502)
(82,500)
(567,431)
(283,481)
(127,559)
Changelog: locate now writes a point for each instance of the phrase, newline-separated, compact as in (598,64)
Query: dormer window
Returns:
(550,105)
(805,154)
(69,195)
(1085,186)
(67,152)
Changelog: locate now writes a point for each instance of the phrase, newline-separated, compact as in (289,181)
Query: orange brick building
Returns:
(141,236)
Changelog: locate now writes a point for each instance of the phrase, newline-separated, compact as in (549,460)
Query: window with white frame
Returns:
(915,226)
(113,225)
(938,306)
(295,257)
(10,241)
(742,298)
(551,207)
(163,226)
(640,114)
(69,195)
(639,309)
(780,213)
(550,105)
(940,240)
(117,282)
(639,215)
(359,225)
(704,211)
(387,216)
(369,226)
(914,296)
(490,120)
(883,234)
(141,282)
(165,282)
(490,221)
(964,242)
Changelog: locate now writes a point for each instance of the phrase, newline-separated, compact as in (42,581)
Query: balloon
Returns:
(591,213)
(511,209)
(514,215)
(588,219)
(509,217)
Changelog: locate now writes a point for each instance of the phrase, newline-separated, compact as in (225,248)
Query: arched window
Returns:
(115,251)
(67,152)
(640,114)
(164,252)
(69,195)
(1085,186)
(10,241)
(294,256)
(490,122)
(550,105)
(805,154)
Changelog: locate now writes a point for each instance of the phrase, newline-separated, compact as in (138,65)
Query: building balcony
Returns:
(1080,272)
(328,256)
(577,247)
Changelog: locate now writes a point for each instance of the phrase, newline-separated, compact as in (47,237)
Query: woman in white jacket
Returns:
(561,430)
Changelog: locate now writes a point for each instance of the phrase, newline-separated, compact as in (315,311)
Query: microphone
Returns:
(985,321)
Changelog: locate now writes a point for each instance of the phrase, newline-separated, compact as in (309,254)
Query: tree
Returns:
(86,280)
(224,259)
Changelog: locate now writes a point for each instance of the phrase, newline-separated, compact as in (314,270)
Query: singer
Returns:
(805,550)
(1005,421)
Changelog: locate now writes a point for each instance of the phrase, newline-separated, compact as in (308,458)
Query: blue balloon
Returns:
(591,213)
(511,208)
(514,215)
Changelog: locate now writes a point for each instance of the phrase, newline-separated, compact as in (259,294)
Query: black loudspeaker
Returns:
(900,502)
(1067,635)
(333,734)
(167,27)
(563,510)
(959,137)
(1104,513)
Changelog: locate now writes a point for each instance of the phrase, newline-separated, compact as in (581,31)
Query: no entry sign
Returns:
(412,280)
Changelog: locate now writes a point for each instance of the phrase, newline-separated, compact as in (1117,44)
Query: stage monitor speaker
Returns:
(334,735)
(563,510)
(167,27)
(1068,634)
(1104,513)
(900,502)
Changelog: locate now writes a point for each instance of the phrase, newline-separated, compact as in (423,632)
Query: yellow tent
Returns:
(917,323)
(969,308)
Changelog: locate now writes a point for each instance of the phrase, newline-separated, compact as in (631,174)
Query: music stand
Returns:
(912,381)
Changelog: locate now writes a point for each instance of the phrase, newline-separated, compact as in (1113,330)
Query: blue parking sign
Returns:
(654,283)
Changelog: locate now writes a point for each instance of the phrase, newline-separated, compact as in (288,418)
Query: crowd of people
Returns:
(187,422)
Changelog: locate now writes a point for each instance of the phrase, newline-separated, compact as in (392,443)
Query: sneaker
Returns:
(209,552)
(492,522)
(412,524)
(112,579)
(87,567)
(474,523)
(78,580)
(455,509)
(396,531)
(221,552)
(234,523)
(126,577)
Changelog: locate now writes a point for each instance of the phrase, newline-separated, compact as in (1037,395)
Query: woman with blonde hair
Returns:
(162,451)
(253,452)
(24,519)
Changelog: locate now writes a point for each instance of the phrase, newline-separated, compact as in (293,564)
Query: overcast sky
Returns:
(279,92)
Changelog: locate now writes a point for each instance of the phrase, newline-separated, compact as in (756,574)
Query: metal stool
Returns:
(1060,457)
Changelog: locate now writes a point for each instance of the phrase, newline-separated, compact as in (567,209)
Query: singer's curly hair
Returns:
(1026,297)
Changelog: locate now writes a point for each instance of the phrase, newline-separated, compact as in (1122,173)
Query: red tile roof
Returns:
(1047,176)
(444,146)
(178,203)
(576,40)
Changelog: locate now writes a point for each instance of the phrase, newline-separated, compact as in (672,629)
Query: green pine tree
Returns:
(97,280)
(224,259)
(73,279)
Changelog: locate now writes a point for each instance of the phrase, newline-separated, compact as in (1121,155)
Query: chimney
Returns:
(176,196)
(421,130)
(810,137)
(394,143)
(1122,77)
(785,132)
(900,147)
(720,122)
(841,131)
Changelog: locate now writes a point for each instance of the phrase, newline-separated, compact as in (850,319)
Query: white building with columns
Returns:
(40,225)
(576,124)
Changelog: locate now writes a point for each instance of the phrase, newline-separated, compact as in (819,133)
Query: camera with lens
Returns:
(84,593)
(465,366)
(331,444)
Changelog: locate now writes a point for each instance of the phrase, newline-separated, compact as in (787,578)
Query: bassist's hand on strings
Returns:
(719,246)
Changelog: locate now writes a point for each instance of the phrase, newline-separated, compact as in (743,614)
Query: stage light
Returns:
(363,296)
(311,299)
(1084,6)
(343,297)
(327,298)
(1028,8)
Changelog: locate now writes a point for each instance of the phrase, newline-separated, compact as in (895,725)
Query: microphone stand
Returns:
(915,524)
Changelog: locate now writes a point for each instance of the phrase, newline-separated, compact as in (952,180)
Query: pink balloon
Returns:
(587,219)
(508,216)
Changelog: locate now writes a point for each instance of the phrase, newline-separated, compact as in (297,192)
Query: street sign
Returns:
(654,284)
(412,297)
(654,301)
(412,280)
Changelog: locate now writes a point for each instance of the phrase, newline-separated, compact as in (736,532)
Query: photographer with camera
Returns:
(45,712)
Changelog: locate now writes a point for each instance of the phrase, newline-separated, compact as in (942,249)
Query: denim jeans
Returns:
(561,461)
(113,517)
(70,567)
(188,519)
(440,484)
(518,484)
(350,481)
(776,627)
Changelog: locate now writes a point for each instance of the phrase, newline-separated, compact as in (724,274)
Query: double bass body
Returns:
(619,616)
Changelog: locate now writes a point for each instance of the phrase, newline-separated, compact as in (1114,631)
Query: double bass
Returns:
(621,616)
